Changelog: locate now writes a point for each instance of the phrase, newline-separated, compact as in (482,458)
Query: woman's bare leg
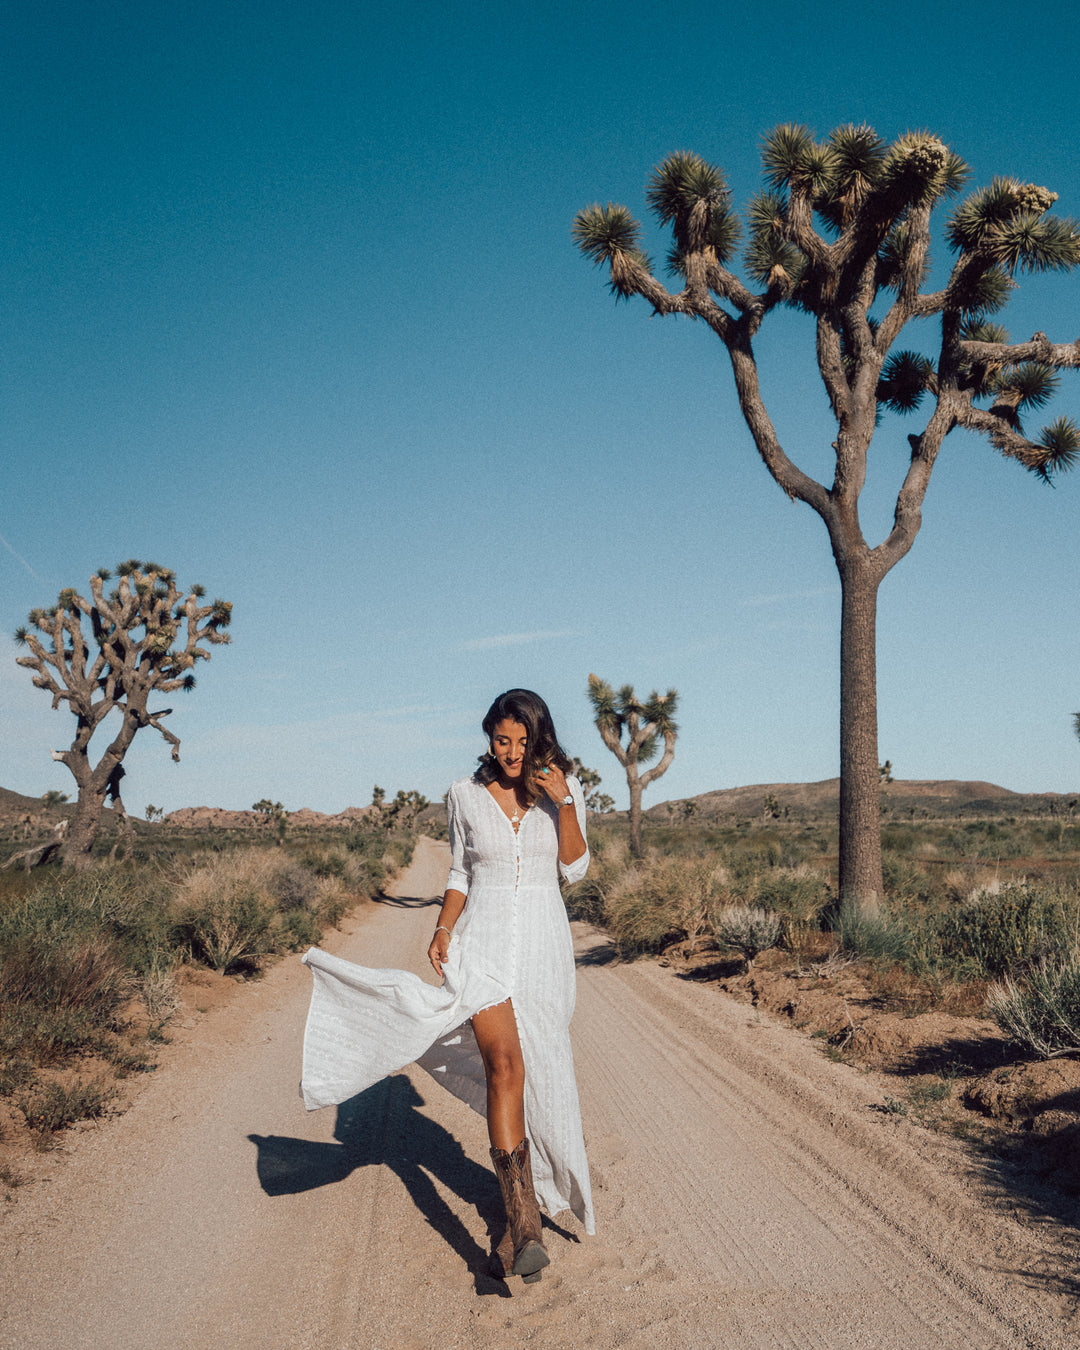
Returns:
(497,1036)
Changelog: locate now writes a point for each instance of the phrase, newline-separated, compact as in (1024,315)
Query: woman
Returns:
(502,945)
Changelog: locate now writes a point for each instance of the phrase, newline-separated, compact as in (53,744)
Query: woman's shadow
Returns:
(382,1126)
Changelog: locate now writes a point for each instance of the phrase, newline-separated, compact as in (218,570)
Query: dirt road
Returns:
(747,1193)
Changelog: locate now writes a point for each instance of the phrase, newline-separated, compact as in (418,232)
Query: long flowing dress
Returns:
(511,941)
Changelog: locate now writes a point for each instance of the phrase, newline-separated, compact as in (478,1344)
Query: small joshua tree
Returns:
(643,725)
(590,781)
(144,639)
(52,799)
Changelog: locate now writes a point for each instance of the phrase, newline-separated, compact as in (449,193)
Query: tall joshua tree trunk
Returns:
(860,834)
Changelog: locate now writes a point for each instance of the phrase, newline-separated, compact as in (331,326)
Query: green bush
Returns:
(1001,933)
(51,1106)
(230,929)
(798,896)
(871,936)
(1041,1013)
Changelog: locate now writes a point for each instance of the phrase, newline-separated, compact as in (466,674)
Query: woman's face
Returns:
(508,744)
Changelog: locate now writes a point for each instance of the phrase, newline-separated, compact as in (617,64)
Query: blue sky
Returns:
(291,306)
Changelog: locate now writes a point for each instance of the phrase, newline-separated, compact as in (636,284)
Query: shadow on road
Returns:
(407,901)
(381,1126)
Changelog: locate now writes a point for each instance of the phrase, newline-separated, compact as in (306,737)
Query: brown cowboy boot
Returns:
(501,1261)
(514,1171)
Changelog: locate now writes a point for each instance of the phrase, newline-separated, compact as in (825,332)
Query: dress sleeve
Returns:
(458,880)
(574,871)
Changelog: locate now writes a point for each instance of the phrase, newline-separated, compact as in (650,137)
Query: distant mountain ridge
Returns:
(812,799)
(944,796)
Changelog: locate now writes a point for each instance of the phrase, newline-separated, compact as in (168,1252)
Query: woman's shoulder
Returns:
(461,787)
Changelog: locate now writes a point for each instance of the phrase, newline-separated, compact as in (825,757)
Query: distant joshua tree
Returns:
(590,781)
(400,814)
(52,799)
(643,725)
(144,639)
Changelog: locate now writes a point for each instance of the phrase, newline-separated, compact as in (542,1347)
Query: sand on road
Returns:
(748,1195)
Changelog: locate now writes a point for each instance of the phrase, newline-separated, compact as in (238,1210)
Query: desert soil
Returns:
(749,1193)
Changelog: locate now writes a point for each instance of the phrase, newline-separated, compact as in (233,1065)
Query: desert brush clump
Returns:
(1040,1012)
(240,907)
(1007,930)
(82,949)
(645,906)
(749,929)
(53,1106)
(798,897)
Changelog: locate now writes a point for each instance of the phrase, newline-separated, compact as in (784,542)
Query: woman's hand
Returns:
(440,945)
(550,781)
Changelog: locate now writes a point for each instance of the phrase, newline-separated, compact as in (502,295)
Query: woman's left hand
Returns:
(551,781)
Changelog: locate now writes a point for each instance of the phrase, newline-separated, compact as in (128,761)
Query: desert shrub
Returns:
(157,986)
(658,901)
(227,930)
(328,863)
(1041,1013)
(871,936)
(796,895)
(998,933)
(749,929)
(62,976)
(15,1074)
(49,1107)
(290,884)
(375,855)
(906,883)
(299,928)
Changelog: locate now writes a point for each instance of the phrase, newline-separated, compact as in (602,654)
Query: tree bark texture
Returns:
(634,784)
(860,823)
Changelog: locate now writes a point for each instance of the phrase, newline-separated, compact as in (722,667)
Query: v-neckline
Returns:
(505,815)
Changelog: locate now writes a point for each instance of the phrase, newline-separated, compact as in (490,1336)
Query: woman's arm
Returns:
(452,905)
(572,846)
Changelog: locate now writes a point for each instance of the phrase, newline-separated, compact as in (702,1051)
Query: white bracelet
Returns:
(443,929)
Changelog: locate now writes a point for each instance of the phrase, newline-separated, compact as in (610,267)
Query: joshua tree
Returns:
(52,799)
(644,726)
(144,639)
(590,781)
(841,233)
(400,814)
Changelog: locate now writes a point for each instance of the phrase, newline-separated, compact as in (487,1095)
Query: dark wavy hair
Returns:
(541,744)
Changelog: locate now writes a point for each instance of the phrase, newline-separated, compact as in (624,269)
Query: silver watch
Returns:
(565,801)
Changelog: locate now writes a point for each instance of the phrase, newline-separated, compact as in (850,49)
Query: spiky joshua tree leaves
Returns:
(633,731)
(841,232)
(107,655)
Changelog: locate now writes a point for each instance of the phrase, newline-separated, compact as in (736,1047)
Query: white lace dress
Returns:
(511,941)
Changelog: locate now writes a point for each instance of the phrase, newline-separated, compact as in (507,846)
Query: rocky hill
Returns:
(801,800)
(901,797)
